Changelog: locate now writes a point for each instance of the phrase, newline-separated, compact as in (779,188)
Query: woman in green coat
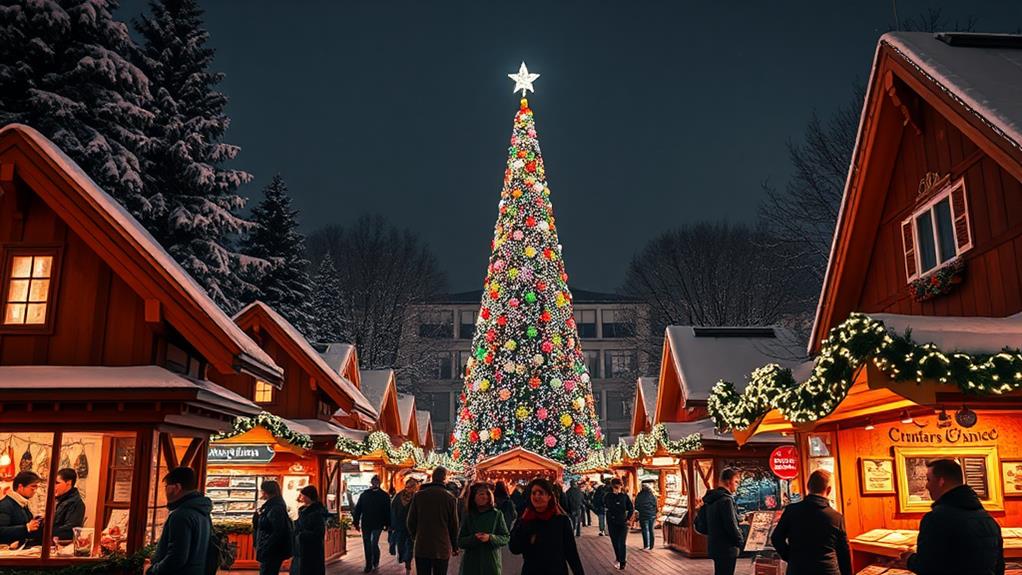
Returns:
(483,533)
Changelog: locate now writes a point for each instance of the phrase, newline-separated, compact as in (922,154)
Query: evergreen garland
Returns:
(645,445)
(379,441)
(849,345)
(275,425)
(113,564)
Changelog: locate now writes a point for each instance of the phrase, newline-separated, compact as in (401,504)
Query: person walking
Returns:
(272,530)
(184,540)
(646,507)
(543,534)
(600,506)
(619,512)
(958,536)
(310,534)
(811,535)
(433,523)
(724,536)
(502,501)
(482,534)
(576,502)
(371,516)
(587,505)
(399,522)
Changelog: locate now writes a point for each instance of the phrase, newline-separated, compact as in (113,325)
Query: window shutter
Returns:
(909,243)
(960,215)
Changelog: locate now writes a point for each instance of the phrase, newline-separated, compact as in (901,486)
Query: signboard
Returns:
(784,462)
(240,453)
(761,526)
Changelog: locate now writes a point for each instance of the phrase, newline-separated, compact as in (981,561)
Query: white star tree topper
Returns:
(523,80)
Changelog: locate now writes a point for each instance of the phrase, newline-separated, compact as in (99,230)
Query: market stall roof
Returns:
(644,405)
(121,241)
(409,423)
(342,391)
(696,358)
(425,421)
(380,388)
(519,460)
(343,359)
(705,428)
(975,335)
(317,428)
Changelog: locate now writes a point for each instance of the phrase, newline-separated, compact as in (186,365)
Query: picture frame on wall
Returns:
(979,464)
(876,476)
(1011,477)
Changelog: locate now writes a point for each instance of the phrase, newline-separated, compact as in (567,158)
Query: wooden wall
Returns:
(863,513)
(993,275)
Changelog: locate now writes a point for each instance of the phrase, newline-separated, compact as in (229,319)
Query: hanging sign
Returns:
(784,462)
(240,453)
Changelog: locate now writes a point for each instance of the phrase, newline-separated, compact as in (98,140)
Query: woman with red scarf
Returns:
(543,535)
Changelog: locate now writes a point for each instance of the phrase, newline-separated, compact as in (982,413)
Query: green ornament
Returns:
(530,297)
(532,331)
(480,352)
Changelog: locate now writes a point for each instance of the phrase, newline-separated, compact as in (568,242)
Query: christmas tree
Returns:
(527,384)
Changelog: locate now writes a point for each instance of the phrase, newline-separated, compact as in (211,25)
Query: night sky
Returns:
(650,114)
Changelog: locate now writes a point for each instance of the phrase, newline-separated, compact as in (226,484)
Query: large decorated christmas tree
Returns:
(526,384)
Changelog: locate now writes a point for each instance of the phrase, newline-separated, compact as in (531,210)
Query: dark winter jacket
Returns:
(547,547)
(433,522)
(272,531)
(645,504)
(811,537)
(958,537)
(183,543)
(310,534)
(482,558)
(507,508)
(520,501)
(13,518)
(575,499)
(70,513)
(399,513)
(724,536)
(598,499)
(619,508)
(372,511)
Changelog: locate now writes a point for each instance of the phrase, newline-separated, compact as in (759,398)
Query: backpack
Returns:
(701,524)
(220,554)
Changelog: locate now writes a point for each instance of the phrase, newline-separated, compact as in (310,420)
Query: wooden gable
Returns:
(409,423)
(383,383)
(517,460)
(915,125)
(640,419)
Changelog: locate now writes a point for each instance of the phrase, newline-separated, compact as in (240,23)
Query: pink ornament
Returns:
(526,274)
(505,394)
(513,302)
(498,265)
(518,235)
(550,441)
(547,347)
(531,132)
(541,413)
(569,385)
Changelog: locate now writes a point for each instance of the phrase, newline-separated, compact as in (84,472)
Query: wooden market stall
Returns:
(105,352)
(518,464)
(425,423)
(380,388)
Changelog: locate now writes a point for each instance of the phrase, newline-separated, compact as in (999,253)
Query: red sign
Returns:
(784,462)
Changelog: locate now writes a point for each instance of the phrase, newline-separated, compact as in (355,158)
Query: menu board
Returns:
(975,470)
(234,496)
(761,526)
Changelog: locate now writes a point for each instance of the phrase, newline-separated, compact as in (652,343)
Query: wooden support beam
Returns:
(153,313)
(194,448)
(7,178)
(169,453)
(908,117)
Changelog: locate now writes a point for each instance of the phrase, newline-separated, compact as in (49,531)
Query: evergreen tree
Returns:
(283,282)
(65,70)
(327,306)
(185,153)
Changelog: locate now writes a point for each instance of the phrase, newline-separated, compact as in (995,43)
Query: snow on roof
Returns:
(343,384)
(986,80)
(406,407)
(131,379)
(336,355)
(318,427)
(649,391)
(423,418)
(702,355)
(139,237)
(966,334)
(374,385)
(704,427)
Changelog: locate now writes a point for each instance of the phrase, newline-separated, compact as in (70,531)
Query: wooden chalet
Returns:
(380,387)
(518,464)
(107,352)
(343,359)
(425,423)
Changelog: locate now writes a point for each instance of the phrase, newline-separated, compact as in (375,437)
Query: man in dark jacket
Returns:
(372,516)
(724,538)
(183,543)
(70,511)
(811,535)
(273,532)
(646,507)
(519,499)
(619,511)
(433,523)
(958,536)
(576,504)
(16,522)
(599,507)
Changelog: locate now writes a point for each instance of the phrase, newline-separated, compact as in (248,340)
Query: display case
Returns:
(235,497)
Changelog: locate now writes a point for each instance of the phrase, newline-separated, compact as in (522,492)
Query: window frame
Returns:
(929,206)
(255,392)
(10,251)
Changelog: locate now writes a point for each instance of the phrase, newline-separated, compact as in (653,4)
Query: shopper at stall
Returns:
(599,507)
(958,536)
(399,522)
(619,512)
(502,501)
(372,516)
(70,511)
(310,532)
(646,507)
(272,530)
(184,541)
(576,503)
(811,535)
(724,538)
(433,523)
(16,522)
(543,534)
(482,533)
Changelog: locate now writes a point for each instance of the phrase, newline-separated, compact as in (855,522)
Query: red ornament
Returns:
(502,320)
(547,347)
(571,323)
(494,294)
(530,166)
(485,313)
(579,430)
(545,316)
(488,360)
(534,382)
(548,253)
(457,452)
(521,153)
(541,285)
(564,277)
(473,436)
(491,335)
(530,222)
(495,433)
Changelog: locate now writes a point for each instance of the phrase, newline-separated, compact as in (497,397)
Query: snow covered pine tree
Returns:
(327,309)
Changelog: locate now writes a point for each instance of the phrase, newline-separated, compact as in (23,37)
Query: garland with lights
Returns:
(848,346)
(645,445)
(939,282)
(379,441)
(275,425)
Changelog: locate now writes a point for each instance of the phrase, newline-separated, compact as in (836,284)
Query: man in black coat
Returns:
(273,531)
(958,536)
(185,538)
(372,516)
(576,502)
(16,522)
(599,507)
(70,511)
(811,535)
(724,536)
(619,511)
